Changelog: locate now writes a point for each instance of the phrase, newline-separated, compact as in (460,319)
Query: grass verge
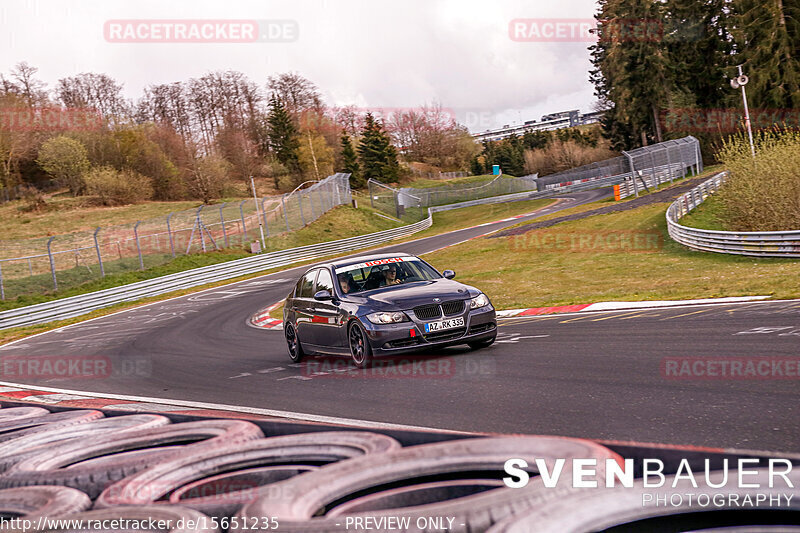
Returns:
(339,223)
(581,262)
(707,215)
(463,218)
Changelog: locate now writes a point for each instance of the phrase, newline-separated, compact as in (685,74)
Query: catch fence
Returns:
(34,266)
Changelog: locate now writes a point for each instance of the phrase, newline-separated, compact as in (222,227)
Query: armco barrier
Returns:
(754,243)
(79,305)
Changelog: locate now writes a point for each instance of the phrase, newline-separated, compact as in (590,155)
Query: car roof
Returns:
(359,259)
(364,258)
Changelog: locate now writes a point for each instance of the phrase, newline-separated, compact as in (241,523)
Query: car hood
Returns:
(405,297)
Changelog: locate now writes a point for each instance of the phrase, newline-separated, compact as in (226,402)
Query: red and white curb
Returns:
(621,306)
(61,399)
(262,319)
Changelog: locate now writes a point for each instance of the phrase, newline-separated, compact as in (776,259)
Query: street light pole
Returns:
(258,214)
(741,81)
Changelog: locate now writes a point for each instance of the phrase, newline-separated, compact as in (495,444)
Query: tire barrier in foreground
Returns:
(298,503)
(81,470)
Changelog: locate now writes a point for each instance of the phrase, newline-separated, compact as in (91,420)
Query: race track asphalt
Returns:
(607,375)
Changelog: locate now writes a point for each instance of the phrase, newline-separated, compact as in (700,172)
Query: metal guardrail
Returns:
(658,176)
(79,305)
(752,243)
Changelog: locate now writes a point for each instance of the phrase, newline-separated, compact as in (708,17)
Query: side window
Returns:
(324,281)
(306,285)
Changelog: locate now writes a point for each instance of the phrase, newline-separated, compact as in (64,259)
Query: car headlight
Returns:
(386,318)
(480,300)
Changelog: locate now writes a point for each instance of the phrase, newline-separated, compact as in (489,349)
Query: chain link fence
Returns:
(411,204)
(35,266)
(636,170)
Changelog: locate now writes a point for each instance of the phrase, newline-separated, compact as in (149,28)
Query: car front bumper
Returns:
(390,339)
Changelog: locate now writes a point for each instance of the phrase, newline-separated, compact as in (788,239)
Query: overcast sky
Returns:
(368,53)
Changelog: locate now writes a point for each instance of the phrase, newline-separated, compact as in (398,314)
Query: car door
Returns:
(325,322)
(304,306)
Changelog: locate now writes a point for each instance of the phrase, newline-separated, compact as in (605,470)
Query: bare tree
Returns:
(24,84)
(95,91)
(296,92)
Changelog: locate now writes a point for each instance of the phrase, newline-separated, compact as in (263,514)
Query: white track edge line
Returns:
(305,417)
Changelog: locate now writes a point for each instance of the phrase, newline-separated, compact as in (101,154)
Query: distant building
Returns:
(553,121)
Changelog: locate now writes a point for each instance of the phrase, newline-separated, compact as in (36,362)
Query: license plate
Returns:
(444,324)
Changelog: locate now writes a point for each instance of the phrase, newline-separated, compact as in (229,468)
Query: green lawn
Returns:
(580,262)
(426,183)
(705,216)
(339,223)
(65,214)
(465,217)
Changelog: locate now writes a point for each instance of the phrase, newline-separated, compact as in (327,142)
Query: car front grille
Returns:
(425,312)
(453,307)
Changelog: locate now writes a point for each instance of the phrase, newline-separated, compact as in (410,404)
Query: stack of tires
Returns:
(83,471)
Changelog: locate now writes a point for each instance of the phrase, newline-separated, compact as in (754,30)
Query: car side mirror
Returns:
(449,274)
(322,296)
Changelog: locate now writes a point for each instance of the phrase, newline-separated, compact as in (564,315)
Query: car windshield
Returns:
(385,272)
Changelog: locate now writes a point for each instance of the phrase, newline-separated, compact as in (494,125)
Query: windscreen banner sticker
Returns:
(376,262)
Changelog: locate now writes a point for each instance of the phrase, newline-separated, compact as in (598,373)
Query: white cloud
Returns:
(362,52)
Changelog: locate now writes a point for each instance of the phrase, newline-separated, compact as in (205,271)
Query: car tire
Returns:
(297,503)
(360,349)
(477,345)
(71,464)
(35,440)
(296,352)
(295,452)
(46,501)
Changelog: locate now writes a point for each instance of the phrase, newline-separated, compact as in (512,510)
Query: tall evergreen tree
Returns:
(619,133)
(378,156)
(350,163)
(641,64)
(283,137)
(768,44)
(699,45)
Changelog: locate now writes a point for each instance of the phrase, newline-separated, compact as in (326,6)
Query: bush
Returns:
(118,187)
(761,194)
(208,178)
(561,155)
(66,160)
(33,198)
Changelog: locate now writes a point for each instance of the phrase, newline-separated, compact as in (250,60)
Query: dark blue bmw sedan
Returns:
(383,305)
